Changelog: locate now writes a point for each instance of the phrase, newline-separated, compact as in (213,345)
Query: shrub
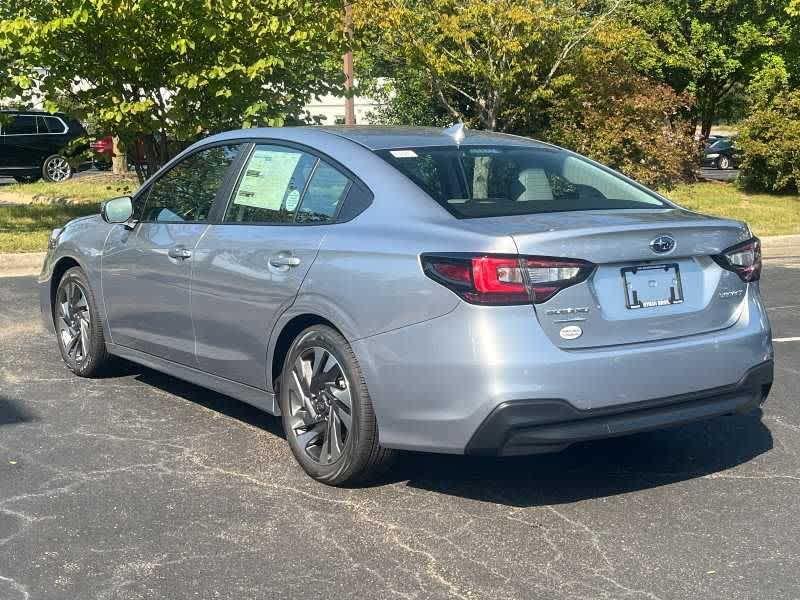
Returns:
(624,119)
(770,144)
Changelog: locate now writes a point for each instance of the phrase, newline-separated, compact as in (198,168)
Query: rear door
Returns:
(20,147)
(147,271)
(248,269)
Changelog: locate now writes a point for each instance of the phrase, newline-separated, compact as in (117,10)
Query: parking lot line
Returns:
(789,339)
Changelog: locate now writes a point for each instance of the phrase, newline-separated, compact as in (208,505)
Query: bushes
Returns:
(638,133)
(770,145)
(624,119)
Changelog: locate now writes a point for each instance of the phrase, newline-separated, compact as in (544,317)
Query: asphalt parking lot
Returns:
(139,486)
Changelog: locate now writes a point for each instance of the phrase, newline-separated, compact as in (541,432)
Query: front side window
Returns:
(281,185)
(186,192)
(494,181)
(20,125)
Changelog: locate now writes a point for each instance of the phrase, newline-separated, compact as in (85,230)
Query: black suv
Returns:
(36,144)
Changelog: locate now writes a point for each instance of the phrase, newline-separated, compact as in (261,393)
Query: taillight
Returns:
(743,259)
(501,279)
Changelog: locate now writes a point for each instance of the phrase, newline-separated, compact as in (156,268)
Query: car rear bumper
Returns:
(541,425)
(434,384)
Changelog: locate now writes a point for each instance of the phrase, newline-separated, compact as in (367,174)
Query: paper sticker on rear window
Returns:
(403,153)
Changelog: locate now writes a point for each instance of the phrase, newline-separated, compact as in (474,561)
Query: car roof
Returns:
(23,111)
(383,138)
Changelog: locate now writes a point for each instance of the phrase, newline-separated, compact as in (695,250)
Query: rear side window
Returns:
(281,185)
(20,125)
(493,181)
(323,195)
(50,125)
(186,192)
(271,186)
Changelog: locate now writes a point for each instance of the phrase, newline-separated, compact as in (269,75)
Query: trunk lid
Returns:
(635,293)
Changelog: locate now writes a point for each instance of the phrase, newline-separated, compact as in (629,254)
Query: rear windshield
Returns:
(496,181)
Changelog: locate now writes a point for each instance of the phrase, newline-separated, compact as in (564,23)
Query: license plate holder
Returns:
(652,286)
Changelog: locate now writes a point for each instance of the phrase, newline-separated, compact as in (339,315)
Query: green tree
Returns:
(176,69)
(770,144)
(710,48)
(486,63)
(621,118)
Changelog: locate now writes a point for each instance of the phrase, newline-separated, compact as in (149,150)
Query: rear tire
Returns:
(78,326)
(326,410)
(56,169)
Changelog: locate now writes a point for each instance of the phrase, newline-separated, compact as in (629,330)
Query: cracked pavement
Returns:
(140,486)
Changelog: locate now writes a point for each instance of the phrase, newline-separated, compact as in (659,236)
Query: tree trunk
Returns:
(119,158)
(708,116)
(480,177)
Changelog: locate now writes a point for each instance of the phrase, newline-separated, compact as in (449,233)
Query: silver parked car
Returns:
(423,289)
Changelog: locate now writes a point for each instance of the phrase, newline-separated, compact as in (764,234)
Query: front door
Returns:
(249,268)
(147,271)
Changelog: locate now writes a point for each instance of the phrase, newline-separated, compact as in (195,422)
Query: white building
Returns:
(331,109)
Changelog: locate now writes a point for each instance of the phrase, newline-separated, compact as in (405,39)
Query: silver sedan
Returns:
(423,289)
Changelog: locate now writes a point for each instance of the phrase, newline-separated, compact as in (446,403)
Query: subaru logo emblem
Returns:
(662,244)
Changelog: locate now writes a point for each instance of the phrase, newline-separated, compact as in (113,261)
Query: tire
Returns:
(724,163)
(78,327)
(319,375)
(56,169)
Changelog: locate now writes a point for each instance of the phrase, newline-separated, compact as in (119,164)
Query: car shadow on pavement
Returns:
(12,412)
(584,471)
(204,397)
(593,469)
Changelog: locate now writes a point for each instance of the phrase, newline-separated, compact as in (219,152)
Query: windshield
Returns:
(721,144)
(495,181)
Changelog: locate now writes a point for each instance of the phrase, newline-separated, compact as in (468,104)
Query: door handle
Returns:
(284,260)
(179,252)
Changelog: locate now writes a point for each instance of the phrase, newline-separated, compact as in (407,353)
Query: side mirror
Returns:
(117,210)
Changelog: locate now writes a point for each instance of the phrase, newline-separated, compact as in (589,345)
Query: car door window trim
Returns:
(225,196)
(36,118)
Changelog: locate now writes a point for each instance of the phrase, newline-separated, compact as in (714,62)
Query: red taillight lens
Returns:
(503,280)
(743,259)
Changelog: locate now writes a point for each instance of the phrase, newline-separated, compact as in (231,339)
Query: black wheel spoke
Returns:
(310,436)
(74,320)
(320,405)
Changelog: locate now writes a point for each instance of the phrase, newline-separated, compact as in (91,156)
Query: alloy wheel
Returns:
(320,405)
(74,320)
(58,169)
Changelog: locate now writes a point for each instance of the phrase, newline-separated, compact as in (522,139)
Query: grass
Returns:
(28,212)
(25,228)
(767,214)
(86,188)
(39,207)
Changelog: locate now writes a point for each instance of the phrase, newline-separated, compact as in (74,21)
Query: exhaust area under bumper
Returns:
(548,425)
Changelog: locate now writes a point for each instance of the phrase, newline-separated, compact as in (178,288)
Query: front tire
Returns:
(327,412)
(723,163)
(78,327)
(56,169)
